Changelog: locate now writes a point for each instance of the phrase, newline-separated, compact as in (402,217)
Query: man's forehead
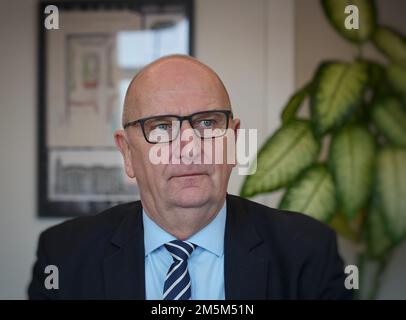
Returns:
(180,102)
(176,74)
(175,81)
(176,61)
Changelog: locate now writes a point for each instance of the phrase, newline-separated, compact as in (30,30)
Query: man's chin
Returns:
(190,198)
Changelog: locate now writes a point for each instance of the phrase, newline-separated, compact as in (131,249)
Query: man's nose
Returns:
(186,134)
(187,143)
(184,125)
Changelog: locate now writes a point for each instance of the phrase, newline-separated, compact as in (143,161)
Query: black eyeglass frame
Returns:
(228,114)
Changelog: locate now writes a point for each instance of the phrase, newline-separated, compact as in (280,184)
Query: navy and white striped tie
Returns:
(177,282)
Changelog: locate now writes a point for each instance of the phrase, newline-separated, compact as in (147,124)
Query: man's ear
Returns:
(124,147)
(235,126)
(237,123)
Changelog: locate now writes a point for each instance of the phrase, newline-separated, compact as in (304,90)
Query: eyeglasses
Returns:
(166,128)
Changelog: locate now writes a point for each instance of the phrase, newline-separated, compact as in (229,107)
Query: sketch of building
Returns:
(95,180)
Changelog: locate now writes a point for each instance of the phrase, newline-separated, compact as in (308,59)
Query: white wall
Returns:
(249,43)
(19,226)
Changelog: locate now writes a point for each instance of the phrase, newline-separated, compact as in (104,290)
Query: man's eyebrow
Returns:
(185,115)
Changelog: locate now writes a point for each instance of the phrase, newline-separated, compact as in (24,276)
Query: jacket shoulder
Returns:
(283,224)
(299,247)
(87,231)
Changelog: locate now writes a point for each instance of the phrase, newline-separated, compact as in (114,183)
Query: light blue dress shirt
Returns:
(206,264)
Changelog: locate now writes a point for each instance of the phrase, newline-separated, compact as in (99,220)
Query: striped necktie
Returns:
(177,282)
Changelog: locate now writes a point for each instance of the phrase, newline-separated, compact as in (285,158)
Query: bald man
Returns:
(186,238)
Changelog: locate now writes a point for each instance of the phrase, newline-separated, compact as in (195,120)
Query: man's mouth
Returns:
(190,174)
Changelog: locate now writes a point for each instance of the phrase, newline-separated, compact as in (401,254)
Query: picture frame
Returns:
(84,69)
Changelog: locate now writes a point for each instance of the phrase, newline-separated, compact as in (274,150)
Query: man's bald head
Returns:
(162,82)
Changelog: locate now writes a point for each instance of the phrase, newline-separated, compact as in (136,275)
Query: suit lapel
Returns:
(245,268)
(123,265)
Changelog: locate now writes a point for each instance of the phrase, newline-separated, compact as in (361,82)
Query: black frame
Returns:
(46,208)
(228,113)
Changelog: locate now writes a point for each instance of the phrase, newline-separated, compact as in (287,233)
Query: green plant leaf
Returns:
(284,155)
(313,194)
(351,159)
(295,101)
(338,91)
(396,74)
(391,190)
(335,11)
(391,43)
(389,116)
(378,239)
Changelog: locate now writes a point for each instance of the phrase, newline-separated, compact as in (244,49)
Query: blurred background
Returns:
(264,50)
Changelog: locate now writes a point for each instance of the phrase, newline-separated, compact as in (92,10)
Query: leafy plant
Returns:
(346,163)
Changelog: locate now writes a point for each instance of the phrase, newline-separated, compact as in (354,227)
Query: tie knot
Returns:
(180,250)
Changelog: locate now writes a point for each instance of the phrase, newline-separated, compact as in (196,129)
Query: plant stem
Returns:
(373,293)
(359,55)
(360,264)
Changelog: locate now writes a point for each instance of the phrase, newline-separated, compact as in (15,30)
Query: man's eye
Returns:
(207,123)
(162,126)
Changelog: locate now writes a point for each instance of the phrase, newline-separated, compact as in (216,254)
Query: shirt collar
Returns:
(210,238)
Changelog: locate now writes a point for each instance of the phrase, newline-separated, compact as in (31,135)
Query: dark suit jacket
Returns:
(268,254)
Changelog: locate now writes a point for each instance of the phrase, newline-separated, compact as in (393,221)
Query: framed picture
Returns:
(85,66)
